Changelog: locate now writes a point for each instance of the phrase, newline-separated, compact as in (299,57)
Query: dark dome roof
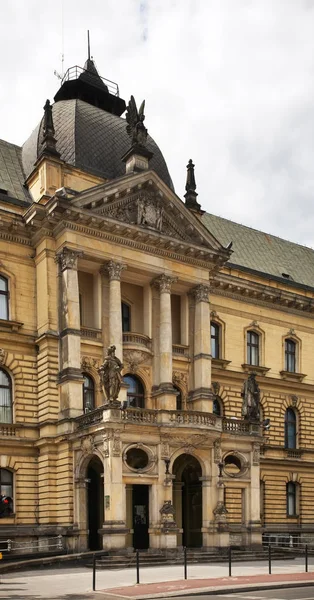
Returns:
(90,139)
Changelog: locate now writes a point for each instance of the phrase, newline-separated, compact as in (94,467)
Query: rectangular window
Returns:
(291,499)
(215,341)
(290,356)
(4,298)
(252,348)
(126,317)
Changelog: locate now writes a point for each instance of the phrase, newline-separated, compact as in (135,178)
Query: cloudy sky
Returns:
(228,83)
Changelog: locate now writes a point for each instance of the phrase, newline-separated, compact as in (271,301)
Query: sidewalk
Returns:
(212,585)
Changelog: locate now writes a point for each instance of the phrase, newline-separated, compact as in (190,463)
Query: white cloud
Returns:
(229,83)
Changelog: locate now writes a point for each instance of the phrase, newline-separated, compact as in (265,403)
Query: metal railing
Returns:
(75,72)
(39,545)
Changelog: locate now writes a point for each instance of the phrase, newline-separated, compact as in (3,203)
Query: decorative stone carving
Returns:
(68,258)
(294,400)
(110,376)
(135,123)
(149,213)
(217,451)
(164,282)
(220,511)
(116,443)
(165,448)
(106,443)
(134,358)
(200,293)
(168,512)
(251,399)
(216,387)
(114,270)
(88,362)
(88,445)
(256,454)
(3,356)
(180,378)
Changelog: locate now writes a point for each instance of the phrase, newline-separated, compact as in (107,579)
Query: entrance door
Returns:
(140,517)
(188,500)
(95,502)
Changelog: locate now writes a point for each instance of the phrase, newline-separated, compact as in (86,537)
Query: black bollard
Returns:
(230,561)
(137,566)
(269,559)
(94,572)
(185,564)
(306,559)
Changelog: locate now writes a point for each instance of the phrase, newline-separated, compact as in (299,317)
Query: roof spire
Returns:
(191,195)
(49,141)
(88,45)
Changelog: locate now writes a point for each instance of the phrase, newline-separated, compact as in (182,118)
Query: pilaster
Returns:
(201,395)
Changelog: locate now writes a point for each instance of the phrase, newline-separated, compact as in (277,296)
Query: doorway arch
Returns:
(95,502)
(187,499)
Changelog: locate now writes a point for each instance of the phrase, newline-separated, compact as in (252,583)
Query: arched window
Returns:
(292,496)
(135,393)
(4,298)
(126,317)
(217,407)
(215,339)
(6,415)
(179,402)
(6,493)
(88,393)
(290,429)
(290,355)
(252,348)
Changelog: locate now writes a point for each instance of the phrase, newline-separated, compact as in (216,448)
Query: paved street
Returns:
(306,593)
(76,583)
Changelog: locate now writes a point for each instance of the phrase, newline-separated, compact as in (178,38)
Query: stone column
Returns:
(165,392)
(114,271)
(71,401)
(114,530)
(202,395)
(254,516)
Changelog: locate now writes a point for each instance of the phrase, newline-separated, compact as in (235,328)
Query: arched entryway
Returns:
(95,499)
(187,500)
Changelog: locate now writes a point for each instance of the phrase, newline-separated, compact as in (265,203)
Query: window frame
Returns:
(6,294)
(219,403)
(253,347)
(288,354)
(179,398)
(88,390)
(8,387)
(137,395)
(288,423)
(292,493)
(126,318)
(215,340)
(11,485)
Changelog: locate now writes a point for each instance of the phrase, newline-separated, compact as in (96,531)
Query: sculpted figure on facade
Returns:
(110,376)
(251,396)
(135,123)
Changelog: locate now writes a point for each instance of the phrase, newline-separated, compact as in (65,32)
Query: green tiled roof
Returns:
(262,252)
(11,172)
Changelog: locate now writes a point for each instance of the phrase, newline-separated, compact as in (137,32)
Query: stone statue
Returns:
(110,376)
(48,121)
(135,127)
(250,399)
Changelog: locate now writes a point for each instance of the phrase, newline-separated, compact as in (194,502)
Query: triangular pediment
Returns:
(145,202)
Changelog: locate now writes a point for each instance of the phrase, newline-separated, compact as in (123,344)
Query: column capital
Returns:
(164,282)
(113,269)
(200,293)
(67,258)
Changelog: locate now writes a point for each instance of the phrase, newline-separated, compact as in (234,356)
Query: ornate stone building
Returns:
(173,446)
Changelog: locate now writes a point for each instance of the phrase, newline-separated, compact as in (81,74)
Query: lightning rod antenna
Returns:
(88,44)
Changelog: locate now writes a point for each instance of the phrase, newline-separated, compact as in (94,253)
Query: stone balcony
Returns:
(89,333)
(136,340)
(168,418)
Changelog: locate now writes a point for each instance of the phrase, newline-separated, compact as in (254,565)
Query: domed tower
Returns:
(82,137)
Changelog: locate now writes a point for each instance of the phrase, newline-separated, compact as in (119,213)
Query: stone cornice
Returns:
(260,294)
